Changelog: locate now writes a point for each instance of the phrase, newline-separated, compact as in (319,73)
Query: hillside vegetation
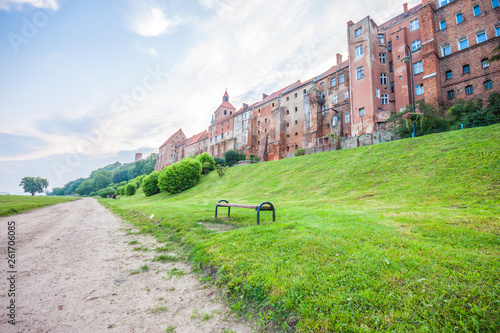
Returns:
(15,204)
(401,236)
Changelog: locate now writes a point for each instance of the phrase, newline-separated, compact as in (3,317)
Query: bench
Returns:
(263,206)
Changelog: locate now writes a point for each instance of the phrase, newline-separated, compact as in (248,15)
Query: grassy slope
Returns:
(14,204)
(402,236)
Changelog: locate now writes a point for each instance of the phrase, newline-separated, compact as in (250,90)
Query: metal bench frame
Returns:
(263,206)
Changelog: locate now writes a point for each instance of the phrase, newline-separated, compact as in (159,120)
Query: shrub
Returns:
(130,188)
(92,194)
(253,158)
(233,157)
(121,190)
(207,162)
(300,152)
(180,176)
(221,170)
(150,184)
(219,161)
(137,180)
(105,192)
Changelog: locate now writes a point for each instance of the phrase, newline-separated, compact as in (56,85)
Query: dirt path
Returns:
(74,265)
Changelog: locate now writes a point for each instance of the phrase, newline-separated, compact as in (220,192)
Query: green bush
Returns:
(253,158)
(232,157)
(137,180)
(92,194)
(219,161)
(121,190)
(105,192)
(130,188)
(300,152)
(180,176)
(207,162)
(150,184)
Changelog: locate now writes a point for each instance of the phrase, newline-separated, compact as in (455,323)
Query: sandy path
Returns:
(70,259)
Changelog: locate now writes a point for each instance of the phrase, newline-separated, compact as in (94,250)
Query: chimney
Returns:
(350,24)
(264,96)
(405,7)
(339,59)
(245,107)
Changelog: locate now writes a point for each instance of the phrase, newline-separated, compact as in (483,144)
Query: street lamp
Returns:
(406,59)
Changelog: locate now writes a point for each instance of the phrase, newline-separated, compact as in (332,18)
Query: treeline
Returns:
(109,177)
(462,114)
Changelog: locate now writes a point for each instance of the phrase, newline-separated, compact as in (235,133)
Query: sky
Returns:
(86,83)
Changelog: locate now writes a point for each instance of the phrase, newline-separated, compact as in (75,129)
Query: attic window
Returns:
(296,122)
(295,95)
(296,133)
(287,112)
(305,91)
(296,109)
(273,104)
(259,110)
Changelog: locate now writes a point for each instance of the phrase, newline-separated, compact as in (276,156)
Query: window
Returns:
(391,67)
(287,111)
(341,78)
(442,25)
(418,68)
(295,97)
(392,87)
(323,95)
(287,124)
(466,69)
(497,29)
(383,78)
(358,31)
(296,122)
(449,75)
(477,10)
(419,89)
(346,94)
(463,43)
(360,72)
(305,91)
(381,39)
(389,47)
(361,112)
(287,98)
(346,120)
(334,82)
(335,99)
(469,90)
(385,98)
(414,25)
(225,112)
(451,94)
(323,110)
(485,63)
(377,93)
(495,3)
(321,84)
(481,36)
(445,50)
(359,51)
(382,57)
(415,45)
(444,2)
(459,18)
(296,109)
(488,85)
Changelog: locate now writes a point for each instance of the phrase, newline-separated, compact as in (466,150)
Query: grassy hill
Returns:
(15,204)
(401,236)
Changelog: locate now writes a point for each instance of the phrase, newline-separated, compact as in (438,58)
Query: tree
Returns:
(495,54)
(33,185)
(102,179)
(232,157)
(85,188)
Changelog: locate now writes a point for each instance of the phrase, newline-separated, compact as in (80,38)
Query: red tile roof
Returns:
(197,138)
(412,11)
(227,105)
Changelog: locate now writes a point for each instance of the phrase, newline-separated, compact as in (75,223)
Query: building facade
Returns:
(450,42)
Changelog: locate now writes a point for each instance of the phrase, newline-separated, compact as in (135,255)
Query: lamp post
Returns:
(406,59)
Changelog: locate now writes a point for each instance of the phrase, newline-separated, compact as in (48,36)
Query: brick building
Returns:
(450,42)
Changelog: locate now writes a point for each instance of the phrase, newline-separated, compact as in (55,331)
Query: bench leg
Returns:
(216,210)
(228,212)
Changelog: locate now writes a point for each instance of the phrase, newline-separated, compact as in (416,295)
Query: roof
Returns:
(170,138)
(333,69)
(277,93)
(197,138)
(227,105)
(412,11)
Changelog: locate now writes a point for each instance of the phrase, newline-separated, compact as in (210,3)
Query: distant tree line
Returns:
(109,177)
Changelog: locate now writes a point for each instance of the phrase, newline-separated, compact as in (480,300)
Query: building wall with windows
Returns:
(466,32)
(167,152)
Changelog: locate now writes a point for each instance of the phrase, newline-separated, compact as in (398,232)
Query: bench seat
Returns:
(263,206)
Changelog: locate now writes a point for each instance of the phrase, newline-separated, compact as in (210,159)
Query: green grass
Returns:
(15,204)
(401,236)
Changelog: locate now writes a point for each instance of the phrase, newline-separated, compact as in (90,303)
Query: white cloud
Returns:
(18,4)
(152,22)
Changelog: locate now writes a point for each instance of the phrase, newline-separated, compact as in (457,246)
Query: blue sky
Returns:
(87,83)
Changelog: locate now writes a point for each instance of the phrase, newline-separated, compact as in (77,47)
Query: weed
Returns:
(135,271)
(159,310)
(145,268)
(165,258)
(134,242)
(170,329)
